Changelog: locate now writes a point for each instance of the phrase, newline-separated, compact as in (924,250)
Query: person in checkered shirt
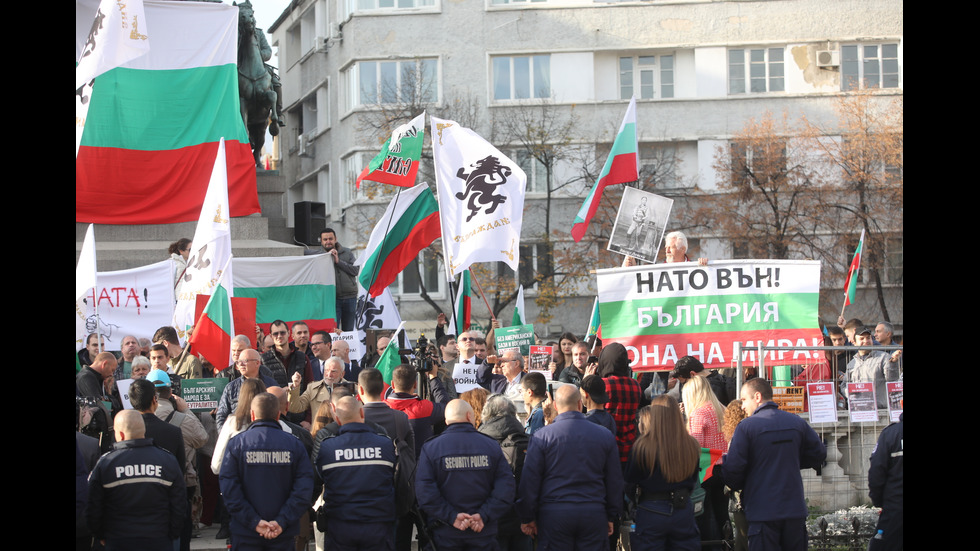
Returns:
(624,395)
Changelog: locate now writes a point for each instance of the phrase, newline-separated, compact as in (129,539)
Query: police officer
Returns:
(266,480)
(464,483)
(571,491)
(358,471)
(886,484)
(130,486)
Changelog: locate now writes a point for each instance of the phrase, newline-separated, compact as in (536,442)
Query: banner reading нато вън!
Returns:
(663,312)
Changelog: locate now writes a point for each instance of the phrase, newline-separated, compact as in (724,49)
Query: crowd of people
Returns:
(468,451)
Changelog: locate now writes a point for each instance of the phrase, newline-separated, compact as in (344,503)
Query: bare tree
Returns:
(866,191)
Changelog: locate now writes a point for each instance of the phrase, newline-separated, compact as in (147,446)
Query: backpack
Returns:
(514,446)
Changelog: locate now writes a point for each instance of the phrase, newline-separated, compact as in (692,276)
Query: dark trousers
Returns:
(778,535)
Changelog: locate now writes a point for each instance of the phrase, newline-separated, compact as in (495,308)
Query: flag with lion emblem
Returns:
(481,198)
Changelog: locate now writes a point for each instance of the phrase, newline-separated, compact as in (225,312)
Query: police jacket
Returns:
(358,471)
(464,471)
(886,475)
(136,491)
(266,475)
(764,460)
(571,462)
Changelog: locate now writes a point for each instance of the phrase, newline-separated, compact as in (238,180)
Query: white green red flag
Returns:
(622,166)
(519,317)
(850,286)
(398,162)
(460,320)
(708,458)
(211,247)
(154,123)
(409,224)
(290,288)
(118,34)
(663,312)
(481,198)
(215,327)
(389,359)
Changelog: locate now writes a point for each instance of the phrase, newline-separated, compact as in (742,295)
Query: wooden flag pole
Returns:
(482,295)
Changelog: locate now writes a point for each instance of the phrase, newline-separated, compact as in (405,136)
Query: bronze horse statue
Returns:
(259,89)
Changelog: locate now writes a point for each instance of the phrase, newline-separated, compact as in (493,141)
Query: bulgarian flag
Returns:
(398,162)
(850,286)
(519,316)
(409,224)
(621,167)
(709,457)
(461,316)
(153,124)
(593,320)
(215,328)
(290,288)
(389,359)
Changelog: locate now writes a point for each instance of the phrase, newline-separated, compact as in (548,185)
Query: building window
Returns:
(644,75)
(765,70)
(425,271)
(869,66)
(368,5)
(536,259)
(410,81)
(536,171)
(522,77)
(894,260)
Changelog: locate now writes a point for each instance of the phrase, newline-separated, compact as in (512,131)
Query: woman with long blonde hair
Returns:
(238,422)
(664,466)
(704,420)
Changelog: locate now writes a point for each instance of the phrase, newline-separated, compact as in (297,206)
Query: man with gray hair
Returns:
(320,391)
(464,483)
(130,350)
(239,344)
(883,334)
(675,249)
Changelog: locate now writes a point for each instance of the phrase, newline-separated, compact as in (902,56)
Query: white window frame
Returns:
(751,69)
(438,274)
(354,78)
(361,6)
(513,64)
(866,66)
(648,76)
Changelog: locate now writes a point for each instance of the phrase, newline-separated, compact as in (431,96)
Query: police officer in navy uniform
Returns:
(464,483)
(358,471)
(266,480)
(137,498)
(571,491)
(886,485)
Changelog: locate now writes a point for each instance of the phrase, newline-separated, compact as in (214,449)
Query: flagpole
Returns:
(482,295)
(377,265)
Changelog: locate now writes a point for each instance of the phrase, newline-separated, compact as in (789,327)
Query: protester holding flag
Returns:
(705,415)
(664,466)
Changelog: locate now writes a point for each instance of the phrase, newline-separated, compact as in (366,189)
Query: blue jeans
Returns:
(660,527)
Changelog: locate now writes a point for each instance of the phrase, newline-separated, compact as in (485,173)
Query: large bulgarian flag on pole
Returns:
(153,123)
(215,327)
(290,288)
(398,162)
(409,224)
(850,286)
(621,167)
